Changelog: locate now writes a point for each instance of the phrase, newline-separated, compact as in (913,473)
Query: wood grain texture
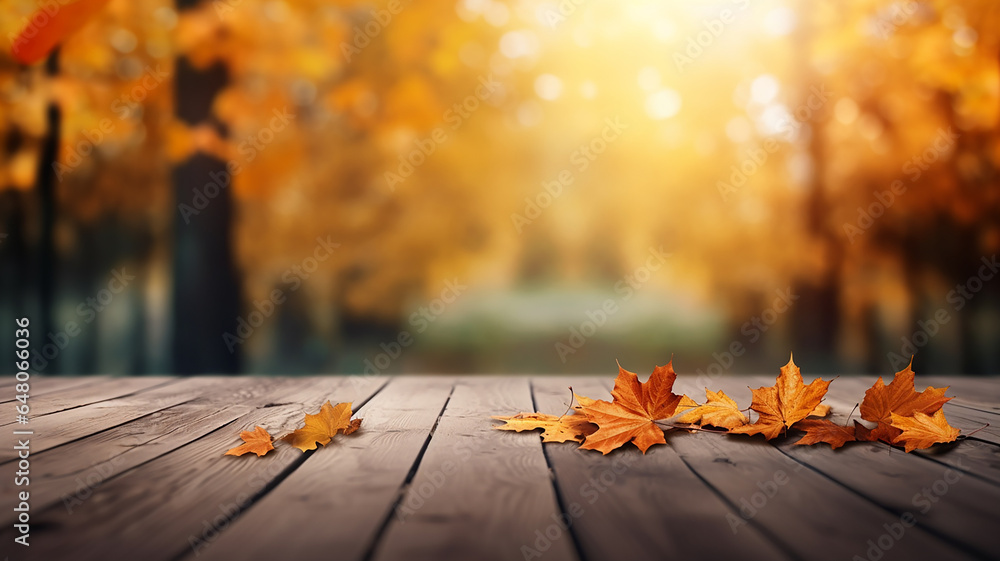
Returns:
(428,478)
(963,418)
(631,504)
(72,424)
(477,493)
(100,390)
(977,458)
(72,472)
(975,392)
(187,497)
(39,385)
(350,485)
(940,494)
(808,510)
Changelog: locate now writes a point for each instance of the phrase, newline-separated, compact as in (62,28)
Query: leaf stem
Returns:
(848,421)
(668,426)
(977,430)
(570,407)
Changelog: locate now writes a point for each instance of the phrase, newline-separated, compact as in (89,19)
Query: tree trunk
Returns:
(816,315)
(46,180)
(206,292)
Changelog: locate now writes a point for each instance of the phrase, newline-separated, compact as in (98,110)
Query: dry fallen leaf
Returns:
(572,427)
(257,441)
(920,430)
(784,404)
(824,430)
(902,416)
(354,426)
(321,428)
(632,414)
(863,433)
(821,410)
(719,410)
(900,398)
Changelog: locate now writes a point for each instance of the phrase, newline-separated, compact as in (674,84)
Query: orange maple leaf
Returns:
(920,430)
(899,397)
(719,410)
(824,430)
(61,19)
(785,403)
(821,410)
(257,441)
(566,428)
(322,427)
(633,413)
(863,433)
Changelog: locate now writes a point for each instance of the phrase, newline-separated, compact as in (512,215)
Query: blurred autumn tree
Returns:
(746,144)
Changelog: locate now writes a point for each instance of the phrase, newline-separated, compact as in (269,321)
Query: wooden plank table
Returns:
(133,468)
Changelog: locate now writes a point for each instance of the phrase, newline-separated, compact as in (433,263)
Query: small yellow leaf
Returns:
(570,427)
(321,428)
(921,430)
(257,441)
(719,410)
(821,410)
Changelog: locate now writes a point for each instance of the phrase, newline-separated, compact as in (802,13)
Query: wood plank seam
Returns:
(118,473)
(735,510)
(964,547)
(71,384)
(560,499)
(401,493)
(130,394)
(976,409)
(185,551)
(956,466)
(105,429)
(55,505)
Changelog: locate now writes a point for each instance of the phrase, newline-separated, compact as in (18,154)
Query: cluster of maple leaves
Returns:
(318,429)
(641,412)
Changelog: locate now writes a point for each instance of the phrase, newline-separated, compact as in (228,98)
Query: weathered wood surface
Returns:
(132,468)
